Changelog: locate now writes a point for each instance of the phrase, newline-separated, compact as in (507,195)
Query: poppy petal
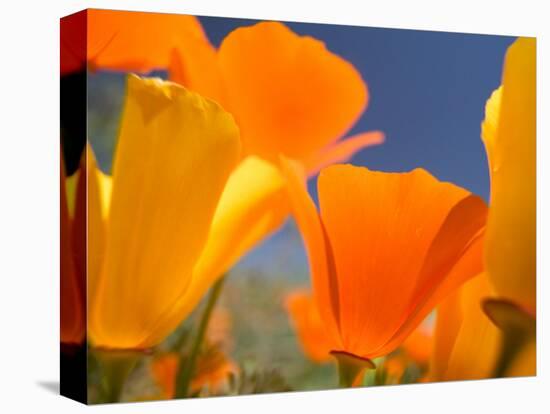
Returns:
(511,149)
(475,343)
(469,264)
(289,94)
(139,41)
(321,264)
(174,154)
(194,65)
(381,226)
(418,345)
(342,151)
(448,320)
(309,326)
(253,205)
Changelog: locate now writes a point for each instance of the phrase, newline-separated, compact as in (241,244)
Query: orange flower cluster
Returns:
(211,162)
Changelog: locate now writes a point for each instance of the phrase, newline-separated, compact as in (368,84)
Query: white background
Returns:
(29,252)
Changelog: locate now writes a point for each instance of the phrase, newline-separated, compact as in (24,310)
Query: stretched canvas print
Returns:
(260,206)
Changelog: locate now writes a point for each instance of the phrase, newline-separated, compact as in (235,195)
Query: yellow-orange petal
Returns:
(467,342)
(449,319)
(139,41)
(381,228)
(342,151)
(289,94)
(309,326)
(418,344)
(321,260)
(194,65)
(525,362)
(252,206)
(174,154)
(509,133)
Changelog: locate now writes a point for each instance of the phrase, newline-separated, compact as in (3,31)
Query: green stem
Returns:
(351,368)
(187,370)
(116,367)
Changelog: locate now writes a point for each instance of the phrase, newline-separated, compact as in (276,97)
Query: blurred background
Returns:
(427,94)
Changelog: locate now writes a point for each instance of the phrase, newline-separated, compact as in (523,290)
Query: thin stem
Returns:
(187,369)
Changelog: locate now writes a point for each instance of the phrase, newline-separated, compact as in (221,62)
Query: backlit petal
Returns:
(140,41)
(418,344)
(470,340)
(342,151)
(194,65)
(174,154)
(253,205)
(289,94)
(509,133)
(381,227)
(309,326)
(321,261)
(468,265)
(449,319)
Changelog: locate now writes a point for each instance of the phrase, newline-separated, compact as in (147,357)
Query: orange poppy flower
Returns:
(131,41)
(247,202)
(288,94)
(384,250)
(149,229)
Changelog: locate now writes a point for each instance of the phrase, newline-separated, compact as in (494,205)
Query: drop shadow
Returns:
(51,386)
